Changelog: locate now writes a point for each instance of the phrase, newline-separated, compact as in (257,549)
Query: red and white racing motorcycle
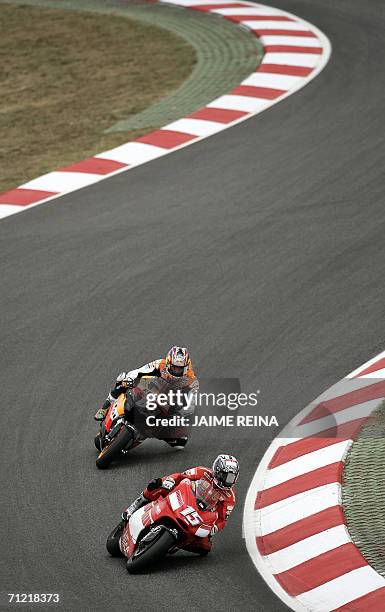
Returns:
(178,520)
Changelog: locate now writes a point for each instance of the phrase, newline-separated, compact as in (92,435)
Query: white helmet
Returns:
(225,471)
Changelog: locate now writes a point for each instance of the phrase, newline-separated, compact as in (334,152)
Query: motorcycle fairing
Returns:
(116,410)
(178,507)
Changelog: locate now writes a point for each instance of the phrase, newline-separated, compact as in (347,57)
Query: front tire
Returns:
(109,452)
(112,543)
(97,440)
(156,550)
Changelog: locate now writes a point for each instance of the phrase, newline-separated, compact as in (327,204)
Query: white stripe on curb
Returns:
(195,127)
(306,549)
(277,81)
(342,590)
(62,181)
(305,463)
(295,508)
(292,41)
(133,153)
(292,59)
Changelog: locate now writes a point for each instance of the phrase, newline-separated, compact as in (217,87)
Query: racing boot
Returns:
(136,504)
(201,548)
(101,413)
(177,443)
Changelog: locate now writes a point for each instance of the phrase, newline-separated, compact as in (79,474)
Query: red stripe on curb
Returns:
(95,165)
(301,71)
(240,18)
(267,93)
(373,368)
(344,432)
(316,478)
(300,530)
(304,33)
(212,7)
(298,449)
(339,433)
(371,601)
(23,197)
(292,49)
(167,139)
(221,115)
(359,396)
(323,568)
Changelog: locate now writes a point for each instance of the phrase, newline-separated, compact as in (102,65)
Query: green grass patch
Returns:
(363,490)
(67,76)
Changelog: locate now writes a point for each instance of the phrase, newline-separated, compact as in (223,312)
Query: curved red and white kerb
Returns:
(294,53)
(294,524)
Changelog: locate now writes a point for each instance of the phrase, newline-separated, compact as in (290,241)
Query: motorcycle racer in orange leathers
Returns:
(176,369)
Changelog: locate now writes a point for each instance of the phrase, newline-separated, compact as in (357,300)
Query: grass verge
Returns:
(363,490)
(67,76)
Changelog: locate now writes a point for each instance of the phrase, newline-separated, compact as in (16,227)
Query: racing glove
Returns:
(168,483)
(213,531)
(136,504)
(125,380)
(154,484)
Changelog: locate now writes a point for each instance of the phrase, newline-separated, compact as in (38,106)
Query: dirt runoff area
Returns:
(67,76)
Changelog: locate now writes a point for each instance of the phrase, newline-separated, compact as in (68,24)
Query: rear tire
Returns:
(155,551)
(115,447)
(112,543)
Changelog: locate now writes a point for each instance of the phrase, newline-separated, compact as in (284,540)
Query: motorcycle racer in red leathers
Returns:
(214,489)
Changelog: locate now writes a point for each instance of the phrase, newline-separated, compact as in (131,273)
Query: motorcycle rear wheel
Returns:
(156,550)
(117,444)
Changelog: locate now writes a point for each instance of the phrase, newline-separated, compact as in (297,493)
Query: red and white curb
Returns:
(294,524)
(294,53)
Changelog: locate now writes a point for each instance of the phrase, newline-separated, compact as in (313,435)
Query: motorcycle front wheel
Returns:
(112,543)
(155,550)
(114,448)
(97,442)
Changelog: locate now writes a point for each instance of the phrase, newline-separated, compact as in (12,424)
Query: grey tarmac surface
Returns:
(261,248)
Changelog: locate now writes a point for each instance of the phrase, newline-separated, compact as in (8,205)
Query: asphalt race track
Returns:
(261,248)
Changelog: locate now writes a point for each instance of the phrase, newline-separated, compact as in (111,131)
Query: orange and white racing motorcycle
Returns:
(125,425)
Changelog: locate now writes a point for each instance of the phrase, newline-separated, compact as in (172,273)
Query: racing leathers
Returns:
(187,384)
(154,368)
(223,503)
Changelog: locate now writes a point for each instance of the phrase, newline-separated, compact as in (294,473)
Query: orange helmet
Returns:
(177,361)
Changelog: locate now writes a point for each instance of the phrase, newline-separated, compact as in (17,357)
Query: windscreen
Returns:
(150,384)
(206,494)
